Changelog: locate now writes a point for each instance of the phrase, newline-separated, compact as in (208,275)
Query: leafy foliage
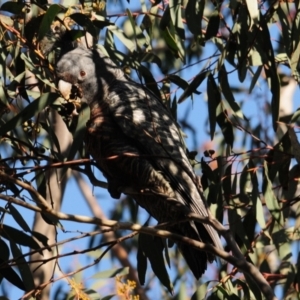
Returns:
(234,53)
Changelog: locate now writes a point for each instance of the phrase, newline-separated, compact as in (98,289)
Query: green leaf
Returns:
(192,88)
(264,41)
(213,25)
(52,136)
(111,273)
(79,132)
(227,92)
(86,23)
(238,229)
(226,183)
(151,58)
(152,248)
(225,125)
(31,63)
(18,236)
(295,57)
(29,111)
(245,288)
(122,37)
(201,290)
(138,34)
(42,238)
(193,15)
(4,251)
(253,287)
(10,275)
(286,30)
(176,18)
(13,7)
(48,18)
(166,19)
(23,266)
(178,81)
(173,43)
(270,198)
(240,30)
(19,218)
(108,297)
(141,263)
(214,98)
(255,78)
(149,80)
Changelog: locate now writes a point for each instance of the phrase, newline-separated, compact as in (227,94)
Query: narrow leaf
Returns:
(48,18)
(178,81)
(85,22)
(270,198)
(29,111)
(264,41)
(19,218)
(214,98)
(176,18)
(18,236)
(13,7)
(23,266)
(152,247)
(253,10)
(213,25)
(227,92)
(192,88)
(10,275)
(193,14)
(141,263)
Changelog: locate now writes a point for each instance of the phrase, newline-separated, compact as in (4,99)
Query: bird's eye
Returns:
(82,73)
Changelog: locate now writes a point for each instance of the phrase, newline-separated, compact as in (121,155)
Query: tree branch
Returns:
(237,260)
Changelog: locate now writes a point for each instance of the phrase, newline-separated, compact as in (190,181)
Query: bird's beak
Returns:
(65,88)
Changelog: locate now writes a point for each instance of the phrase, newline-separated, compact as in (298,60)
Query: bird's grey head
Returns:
(77,68)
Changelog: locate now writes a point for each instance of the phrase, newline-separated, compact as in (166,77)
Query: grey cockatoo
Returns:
(136,143)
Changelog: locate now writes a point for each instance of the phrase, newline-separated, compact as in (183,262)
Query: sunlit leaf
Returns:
(270,198)
(245,288)
(253,10)
(121,36)
(176,18)
(173,43)
(138,34)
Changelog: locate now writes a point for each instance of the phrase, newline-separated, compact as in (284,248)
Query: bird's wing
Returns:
(143,118)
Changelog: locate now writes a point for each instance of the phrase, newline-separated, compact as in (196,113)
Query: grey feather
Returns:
(137,145)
